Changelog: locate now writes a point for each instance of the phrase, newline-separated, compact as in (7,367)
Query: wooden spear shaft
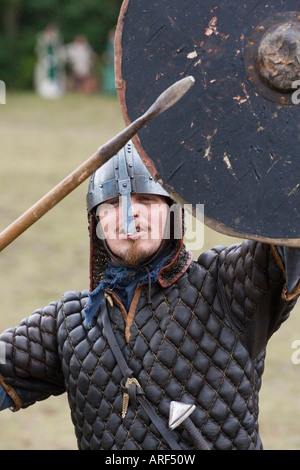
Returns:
(167,99)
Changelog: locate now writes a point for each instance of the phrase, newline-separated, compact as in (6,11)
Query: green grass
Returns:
(41,142)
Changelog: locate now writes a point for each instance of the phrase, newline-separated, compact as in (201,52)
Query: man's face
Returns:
(150,214)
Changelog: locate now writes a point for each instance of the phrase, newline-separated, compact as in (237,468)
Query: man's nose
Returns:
(136,209)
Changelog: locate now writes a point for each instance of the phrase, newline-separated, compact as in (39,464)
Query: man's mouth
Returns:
(139,233)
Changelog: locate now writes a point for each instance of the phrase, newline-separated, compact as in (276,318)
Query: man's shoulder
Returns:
(71,295)
(209,257)
(70,312)
(73,302)
(231,253)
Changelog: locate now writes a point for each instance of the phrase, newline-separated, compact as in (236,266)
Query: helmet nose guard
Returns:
(125,190)
(121,176)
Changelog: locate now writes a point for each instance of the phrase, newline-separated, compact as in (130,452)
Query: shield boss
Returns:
(232,143)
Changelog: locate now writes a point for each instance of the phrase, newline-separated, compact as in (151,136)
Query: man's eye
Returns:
(114,202)
(146,199)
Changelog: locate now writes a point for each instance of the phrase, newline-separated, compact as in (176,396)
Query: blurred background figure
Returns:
(49,77)
(81,58)
(108,70)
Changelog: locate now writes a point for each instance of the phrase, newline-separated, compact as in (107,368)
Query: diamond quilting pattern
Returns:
(189,345)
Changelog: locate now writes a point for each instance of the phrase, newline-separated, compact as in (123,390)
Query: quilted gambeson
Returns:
(200,339)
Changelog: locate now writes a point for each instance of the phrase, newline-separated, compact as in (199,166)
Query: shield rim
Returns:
(120,85)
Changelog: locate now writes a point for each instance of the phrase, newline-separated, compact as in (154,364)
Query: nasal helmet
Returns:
(123,175)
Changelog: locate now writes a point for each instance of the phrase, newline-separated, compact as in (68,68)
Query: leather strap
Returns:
(127,373)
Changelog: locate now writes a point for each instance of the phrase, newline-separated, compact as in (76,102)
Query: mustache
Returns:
(139,227)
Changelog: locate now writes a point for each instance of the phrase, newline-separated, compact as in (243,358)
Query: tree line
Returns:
(22,20)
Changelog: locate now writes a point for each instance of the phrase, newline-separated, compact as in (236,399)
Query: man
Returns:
(156,329)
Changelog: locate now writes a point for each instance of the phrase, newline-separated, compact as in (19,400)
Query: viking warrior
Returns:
(164,351)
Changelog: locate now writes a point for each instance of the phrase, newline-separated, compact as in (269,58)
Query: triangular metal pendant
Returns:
(179,412)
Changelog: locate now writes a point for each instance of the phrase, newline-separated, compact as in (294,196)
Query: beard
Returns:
(134,255)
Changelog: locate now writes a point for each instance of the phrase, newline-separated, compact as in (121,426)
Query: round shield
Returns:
(232,143)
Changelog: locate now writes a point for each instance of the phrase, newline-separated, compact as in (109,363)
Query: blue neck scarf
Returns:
(124,280)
